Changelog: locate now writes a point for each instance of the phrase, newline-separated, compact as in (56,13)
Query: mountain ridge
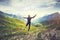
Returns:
(53,16)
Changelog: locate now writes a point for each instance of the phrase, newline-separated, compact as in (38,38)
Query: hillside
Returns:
(53,23)
(15,29)
(12,27)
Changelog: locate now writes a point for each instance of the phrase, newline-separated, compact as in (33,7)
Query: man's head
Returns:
(28,15)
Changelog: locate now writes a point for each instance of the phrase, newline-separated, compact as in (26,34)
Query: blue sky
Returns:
(4,2)
(30,7)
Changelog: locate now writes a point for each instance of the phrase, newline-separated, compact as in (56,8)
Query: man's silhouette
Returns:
(29,21)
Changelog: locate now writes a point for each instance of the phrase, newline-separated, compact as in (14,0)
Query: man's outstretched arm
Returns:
(25,17)
(33,16)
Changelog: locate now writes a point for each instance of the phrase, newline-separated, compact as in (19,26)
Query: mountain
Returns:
(12,27)
(13,16)
(53,23)
(52,17)
(10,15)
(6,14)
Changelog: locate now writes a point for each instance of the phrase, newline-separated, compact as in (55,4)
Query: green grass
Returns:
(12,26)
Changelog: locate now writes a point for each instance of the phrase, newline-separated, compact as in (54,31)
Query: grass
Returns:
(12,26)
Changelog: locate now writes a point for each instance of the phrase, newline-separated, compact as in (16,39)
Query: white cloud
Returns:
(26,7)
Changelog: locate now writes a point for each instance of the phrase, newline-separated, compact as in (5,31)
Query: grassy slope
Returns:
(12,26)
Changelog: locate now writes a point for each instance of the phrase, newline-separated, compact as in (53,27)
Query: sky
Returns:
(30,7)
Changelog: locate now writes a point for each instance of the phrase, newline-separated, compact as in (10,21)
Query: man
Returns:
(29,21)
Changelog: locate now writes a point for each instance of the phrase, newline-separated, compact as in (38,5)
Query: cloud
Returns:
(58,0)
(4,2)
(57,5)
(52,4)
(25,7)
(47,4)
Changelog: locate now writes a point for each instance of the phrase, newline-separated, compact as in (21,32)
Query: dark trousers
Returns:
(28,24)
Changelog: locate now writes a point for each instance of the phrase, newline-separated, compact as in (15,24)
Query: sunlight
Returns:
(26,13)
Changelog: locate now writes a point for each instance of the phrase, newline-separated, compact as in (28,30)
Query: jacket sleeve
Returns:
(33,16)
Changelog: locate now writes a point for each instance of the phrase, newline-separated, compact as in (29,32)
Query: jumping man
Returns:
(29,21)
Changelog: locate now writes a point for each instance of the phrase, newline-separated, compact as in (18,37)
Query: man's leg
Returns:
(27,24)
(29,27)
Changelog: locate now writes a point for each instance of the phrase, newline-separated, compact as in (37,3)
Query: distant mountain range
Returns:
(50,18)
(6,14)
(10,15)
